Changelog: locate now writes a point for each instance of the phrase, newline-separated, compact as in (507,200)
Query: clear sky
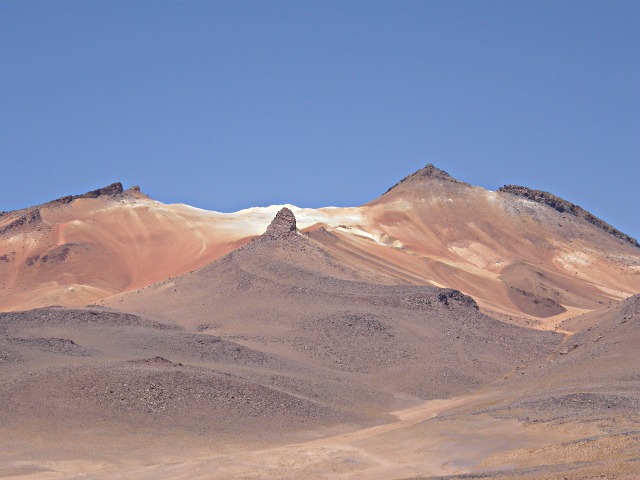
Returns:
(226,105)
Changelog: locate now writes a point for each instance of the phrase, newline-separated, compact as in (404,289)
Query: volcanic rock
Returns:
(283,225)
(27,217)
(113,189)
(447,294)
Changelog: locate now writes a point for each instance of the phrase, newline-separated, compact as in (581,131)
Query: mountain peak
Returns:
(282,225)
(429,172)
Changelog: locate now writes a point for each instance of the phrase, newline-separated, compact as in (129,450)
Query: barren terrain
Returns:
(516,256)
(440,331)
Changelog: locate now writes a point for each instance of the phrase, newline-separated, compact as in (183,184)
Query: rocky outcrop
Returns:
(447,295)
(55,255)
(430,172)
(283,225)
(32,215)
(27,217)
(112,190)
(564,206)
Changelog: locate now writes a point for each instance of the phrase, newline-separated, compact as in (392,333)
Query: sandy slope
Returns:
(92,248)
(506,251)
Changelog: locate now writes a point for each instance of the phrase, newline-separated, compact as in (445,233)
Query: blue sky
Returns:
(226,105)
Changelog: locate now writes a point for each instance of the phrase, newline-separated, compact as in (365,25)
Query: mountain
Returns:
(285,294)
(513,255)
(439,331)
(274,342)
(519,258)
(80,249)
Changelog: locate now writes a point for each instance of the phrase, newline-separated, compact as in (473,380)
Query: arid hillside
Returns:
(277,342)
(280,360)
(512,254)
(285,293)
(528,256)
(77,250)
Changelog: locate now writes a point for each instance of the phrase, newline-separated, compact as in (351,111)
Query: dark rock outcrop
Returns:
(429,172)
(57,254)
(449,294)
(112,190)
(27,217)
(564,206)
(283,225)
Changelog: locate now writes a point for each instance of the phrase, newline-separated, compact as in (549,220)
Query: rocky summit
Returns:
(429,172)
(284,224)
